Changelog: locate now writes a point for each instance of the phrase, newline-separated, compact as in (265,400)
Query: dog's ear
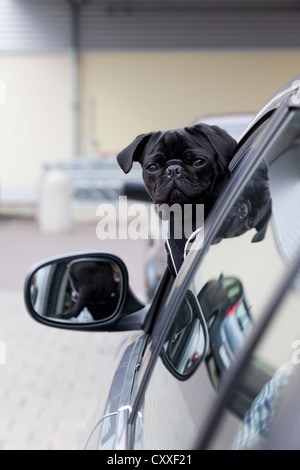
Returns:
(133,152)
(261,227)
(222,142)
(260,191)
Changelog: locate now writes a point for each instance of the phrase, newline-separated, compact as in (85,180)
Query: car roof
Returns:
(274,102)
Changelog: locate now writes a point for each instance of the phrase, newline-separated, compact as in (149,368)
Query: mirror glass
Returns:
(187,340)
(80,290)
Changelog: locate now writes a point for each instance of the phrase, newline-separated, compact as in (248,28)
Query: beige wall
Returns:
(124,94)
(35,121)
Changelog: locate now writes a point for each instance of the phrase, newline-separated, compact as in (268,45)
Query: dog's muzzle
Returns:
(174,169)
(243,210)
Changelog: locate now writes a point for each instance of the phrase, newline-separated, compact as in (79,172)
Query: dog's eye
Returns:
(199,162)
(153,167)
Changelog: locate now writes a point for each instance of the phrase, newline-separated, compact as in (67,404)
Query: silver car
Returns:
(212,361)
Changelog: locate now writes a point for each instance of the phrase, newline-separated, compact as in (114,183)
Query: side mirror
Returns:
(187,342)
(87,291)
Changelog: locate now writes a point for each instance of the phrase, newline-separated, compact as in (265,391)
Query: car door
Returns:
(251,239)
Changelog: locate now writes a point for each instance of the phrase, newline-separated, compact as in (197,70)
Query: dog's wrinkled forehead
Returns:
(212,137)
(173,143)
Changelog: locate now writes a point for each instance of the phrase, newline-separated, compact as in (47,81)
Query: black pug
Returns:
(182,166)
(252,209)
(95,288)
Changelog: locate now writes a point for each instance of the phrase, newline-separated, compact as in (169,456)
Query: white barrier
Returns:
(55,213)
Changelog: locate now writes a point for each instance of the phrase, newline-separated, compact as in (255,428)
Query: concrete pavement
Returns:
(52,380)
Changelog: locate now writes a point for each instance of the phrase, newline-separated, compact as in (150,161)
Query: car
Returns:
(234,123)
(212,361)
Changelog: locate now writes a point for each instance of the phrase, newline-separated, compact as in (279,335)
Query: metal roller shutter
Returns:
(35,25)
(113,28)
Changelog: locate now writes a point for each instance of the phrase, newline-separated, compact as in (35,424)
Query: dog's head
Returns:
(184,166)
(252,209)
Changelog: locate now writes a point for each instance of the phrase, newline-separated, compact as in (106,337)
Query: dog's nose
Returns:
(173,171)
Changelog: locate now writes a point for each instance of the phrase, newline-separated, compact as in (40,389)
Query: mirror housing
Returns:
(83,291)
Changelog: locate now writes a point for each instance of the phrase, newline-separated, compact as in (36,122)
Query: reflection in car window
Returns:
(259,417)
(262,413)
(251,249)
(255,244)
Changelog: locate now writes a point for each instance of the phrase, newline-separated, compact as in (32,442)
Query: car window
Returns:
(256,240)
(265,424)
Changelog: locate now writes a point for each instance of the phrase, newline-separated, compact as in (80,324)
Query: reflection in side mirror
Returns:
(76,289)
(187,341)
